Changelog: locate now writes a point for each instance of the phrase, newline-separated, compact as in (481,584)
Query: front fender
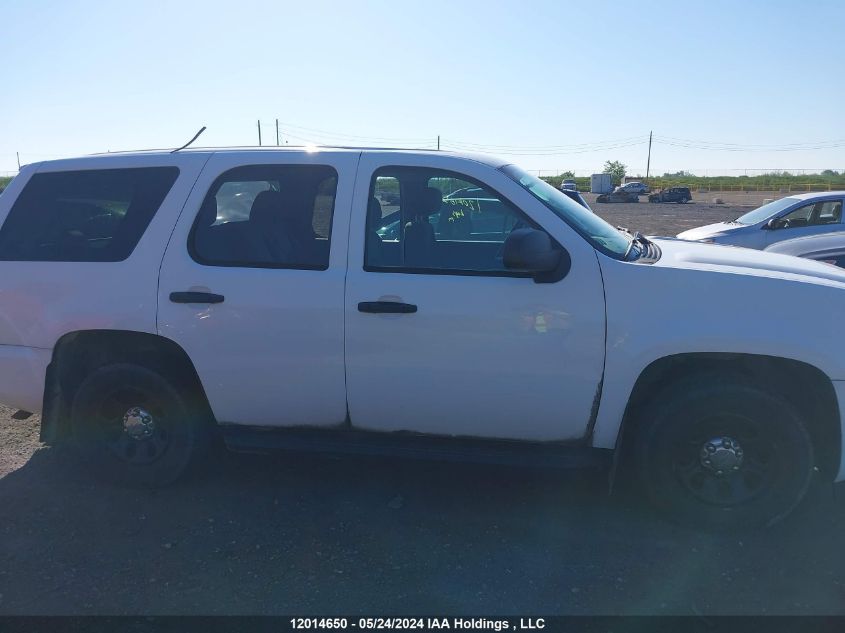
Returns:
(658,311)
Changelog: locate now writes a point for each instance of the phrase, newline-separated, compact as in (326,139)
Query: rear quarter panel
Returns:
(41,301)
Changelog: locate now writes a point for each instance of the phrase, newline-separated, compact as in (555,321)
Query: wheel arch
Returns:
(76,354)
(804,386)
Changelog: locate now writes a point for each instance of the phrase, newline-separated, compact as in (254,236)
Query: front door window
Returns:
(427,220)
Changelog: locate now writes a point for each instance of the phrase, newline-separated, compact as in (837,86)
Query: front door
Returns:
(812,218)
(467,347)
(252,285)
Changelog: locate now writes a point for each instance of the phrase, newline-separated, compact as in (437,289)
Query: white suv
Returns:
(428,303)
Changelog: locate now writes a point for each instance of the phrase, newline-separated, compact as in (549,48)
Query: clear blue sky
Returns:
(82,77)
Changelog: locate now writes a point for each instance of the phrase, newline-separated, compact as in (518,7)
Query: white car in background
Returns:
(784,219)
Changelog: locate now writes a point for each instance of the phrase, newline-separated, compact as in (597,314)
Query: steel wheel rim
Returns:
(123,439)
(757,462)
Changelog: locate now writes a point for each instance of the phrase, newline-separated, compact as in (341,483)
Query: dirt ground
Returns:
(672,218)
(286,534)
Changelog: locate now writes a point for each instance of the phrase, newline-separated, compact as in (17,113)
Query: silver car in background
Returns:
(635,187)
(785,219)
(828,248)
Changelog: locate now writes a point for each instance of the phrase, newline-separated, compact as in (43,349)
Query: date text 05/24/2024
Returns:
(419,624)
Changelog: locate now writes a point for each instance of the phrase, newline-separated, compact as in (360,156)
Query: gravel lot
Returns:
(671,218)
(303,534)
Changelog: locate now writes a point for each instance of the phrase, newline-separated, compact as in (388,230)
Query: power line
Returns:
(738,147)
(320,136)
(427,144)
(313,132)
(634,140)
(531,151)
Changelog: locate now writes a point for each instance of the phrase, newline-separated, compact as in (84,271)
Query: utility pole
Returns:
(277,132)
(18,154)
(648,162)
(438,142)
(259,132)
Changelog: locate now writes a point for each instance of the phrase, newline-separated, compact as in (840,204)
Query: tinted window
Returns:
(830,212)
(270,216)
(425,219)
(827,212)
(84,216)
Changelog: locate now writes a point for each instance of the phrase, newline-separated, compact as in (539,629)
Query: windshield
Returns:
(766,211)
(598,232)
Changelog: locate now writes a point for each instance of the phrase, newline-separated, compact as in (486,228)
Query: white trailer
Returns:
(601,183)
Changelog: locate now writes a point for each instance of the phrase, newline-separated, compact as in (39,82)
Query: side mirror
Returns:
(533,251)
(773,224)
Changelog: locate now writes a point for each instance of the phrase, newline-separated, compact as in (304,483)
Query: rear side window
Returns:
(267,216)
(84,216)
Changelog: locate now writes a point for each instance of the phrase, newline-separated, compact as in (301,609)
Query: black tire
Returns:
(673,432)
(156,450)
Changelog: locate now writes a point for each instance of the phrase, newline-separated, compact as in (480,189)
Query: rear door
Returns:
(252,285)
(476,350)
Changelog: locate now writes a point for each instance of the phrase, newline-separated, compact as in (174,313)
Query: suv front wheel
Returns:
(722,454)
(131,425)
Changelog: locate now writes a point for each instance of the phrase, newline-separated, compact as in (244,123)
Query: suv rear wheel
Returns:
(723,455)
(131,425)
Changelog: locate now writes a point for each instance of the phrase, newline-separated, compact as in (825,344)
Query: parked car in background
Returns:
(635,187)
(568,185)
(827,247)
(785,219)
(672,194)
(618,195)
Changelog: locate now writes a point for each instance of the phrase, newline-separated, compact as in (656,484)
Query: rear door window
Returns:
(267,216)
(84,216)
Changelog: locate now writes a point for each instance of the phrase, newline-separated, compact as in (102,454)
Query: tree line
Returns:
(826,179)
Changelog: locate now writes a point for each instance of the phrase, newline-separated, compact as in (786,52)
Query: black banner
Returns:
(524,624)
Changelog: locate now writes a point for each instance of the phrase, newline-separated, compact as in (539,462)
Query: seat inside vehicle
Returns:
(278,230)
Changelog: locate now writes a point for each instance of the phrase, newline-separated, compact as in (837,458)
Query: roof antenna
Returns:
(196,136)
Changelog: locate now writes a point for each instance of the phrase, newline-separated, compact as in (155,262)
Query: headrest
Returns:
(374,211)
(432,199)
(208,210)
(423,201)
(266,206)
